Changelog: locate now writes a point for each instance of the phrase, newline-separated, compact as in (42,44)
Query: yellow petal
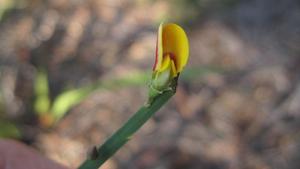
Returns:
(173,69)
(159,49)
(169,64)
(165,64)
(174,41)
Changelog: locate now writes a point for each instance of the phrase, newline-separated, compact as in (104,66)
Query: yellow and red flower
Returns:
(172,52)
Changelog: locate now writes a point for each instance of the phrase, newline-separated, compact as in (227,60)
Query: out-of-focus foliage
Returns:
(6,6)
(69,98)
(41,89)
(1,104)
(189,11)
(9,130)
(196,73)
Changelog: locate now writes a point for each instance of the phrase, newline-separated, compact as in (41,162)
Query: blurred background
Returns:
(73,71)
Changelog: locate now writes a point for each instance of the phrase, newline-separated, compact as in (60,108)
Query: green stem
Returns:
(119,138)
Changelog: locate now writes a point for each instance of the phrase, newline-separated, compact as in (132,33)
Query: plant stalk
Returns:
(120,137)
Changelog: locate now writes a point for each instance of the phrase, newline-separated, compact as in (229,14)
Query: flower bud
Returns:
(172,52)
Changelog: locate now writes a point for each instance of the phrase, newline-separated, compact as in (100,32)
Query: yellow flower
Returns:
(172,49)
(172,52)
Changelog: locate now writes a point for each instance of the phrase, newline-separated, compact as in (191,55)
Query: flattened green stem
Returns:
(119,138)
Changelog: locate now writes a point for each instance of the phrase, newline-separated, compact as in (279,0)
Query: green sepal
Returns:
(154,91)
